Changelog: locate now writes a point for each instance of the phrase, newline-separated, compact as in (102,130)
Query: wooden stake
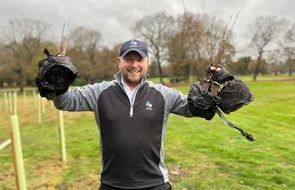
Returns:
(43,106)
(35,99)
(5,100)
(14,112)
(52,105)
(17,154)
(10,102)
(62,136)
(39,110)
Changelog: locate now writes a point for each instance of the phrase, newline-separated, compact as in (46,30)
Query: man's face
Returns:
(133,67)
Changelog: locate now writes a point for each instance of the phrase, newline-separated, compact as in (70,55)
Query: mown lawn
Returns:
(200,154)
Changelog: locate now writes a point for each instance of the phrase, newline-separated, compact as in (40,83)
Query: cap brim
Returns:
(141,53)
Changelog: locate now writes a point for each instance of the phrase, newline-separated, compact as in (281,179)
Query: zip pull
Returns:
(131,111)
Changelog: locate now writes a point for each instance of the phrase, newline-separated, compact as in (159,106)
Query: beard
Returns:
(130,81)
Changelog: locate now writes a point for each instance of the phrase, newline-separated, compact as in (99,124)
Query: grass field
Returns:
(199,154)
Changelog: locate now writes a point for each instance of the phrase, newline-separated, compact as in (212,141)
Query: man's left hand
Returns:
(220,75)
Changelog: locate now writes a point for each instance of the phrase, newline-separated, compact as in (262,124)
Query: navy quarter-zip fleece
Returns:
(131,145)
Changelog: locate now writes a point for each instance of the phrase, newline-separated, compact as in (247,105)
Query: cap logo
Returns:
(133,43)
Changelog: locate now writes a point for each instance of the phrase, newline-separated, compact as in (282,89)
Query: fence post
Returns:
(39,110)
(5,100)
(62,136)
(10,102)
(14,112)
(43,106)
(52,105)
(35,98)
(17,154)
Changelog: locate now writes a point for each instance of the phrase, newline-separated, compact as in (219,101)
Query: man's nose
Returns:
(134,63)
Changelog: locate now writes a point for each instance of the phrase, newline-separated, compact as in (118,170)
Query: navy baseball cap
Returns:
(134,45)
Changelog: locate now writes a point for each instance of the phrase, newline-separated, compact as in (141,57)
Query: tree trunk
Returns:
(159,66)
(21,84)
(160,71)
(290,67)
(256,72)
(21,72)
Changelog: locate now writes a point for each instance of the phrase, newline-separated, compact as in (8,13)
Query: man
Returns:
(131,113)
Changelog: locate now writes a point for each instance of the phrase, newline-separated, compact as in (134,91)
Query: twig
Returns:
(226,36)
(62,47)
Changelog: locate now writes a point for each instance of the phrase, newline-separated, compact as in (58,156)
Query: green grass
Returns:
(200,154)
(268,77)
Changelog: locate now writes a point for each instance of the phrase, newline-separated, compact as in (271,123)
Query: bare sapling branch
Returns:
(62,46)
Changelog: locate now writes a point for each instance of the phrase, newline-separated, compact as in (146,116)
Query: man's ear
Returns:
(118,61)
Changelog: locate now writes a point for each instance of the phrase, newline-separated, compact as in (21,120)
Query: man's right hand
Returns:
(47,93)
(55,75)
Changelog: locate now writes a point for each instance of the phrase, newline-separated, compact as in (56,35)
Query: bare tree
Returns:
(107,57)
(195,42)
(289,48)
(276,59)
(192,31)
(216,45)
(155,29)
(23,43)
(213,28)
(241,66)
(85,42)
(6,73)
(265,30)
(184,46)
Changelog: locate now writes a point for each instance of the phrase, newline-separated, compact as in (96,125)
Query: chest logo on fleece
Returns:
(148,105)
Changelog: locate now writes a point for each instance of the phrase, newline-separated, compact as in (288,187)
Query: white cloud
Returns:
(114,18)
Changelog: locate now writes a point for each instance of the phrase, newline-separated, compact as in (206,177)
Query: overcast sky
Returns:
(113,18)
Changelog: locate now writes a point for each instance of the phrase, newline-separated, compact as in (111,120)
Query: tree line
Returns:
(181,48)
